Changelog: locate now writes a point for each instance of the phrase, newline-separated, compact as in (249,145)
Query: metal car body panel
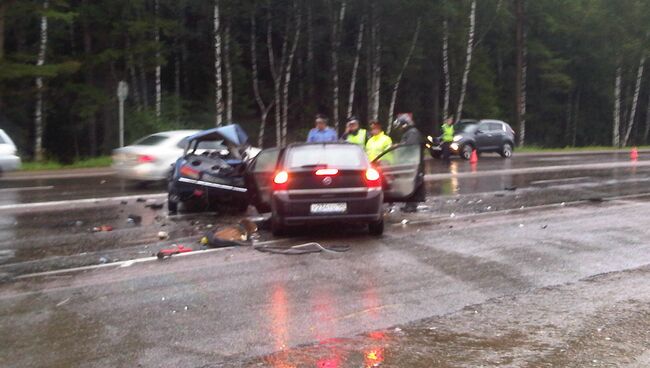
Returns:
(9,160)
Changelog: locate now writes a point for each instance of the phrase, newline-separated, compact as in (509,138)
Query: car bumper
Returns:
(294,208)
(142,172)
(225,192)
(10,163)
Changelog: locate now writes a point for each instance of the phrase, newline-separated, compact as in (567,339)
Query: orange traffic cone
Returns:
(634,154)
(473,158)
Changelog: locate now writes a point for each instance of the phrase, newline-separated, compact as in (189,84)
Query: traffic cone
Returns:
(473,158)
(634,154)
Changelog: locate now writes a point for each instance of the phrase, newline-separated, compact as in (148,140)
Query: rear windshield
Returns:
(151,140)
(464,127)
(335,156)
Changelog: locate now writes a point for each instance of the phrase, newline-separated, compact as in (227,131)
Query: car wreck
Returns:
(210,174)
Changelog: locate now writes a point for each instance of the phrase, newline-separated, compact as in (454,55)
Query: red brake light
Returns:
(189,172)
(143,159)
(373,177)
(281,177)
(327,172)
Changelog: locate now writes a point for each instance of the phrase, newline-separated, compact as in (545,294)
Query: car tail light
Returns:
(145,159)
(281,178)
(327,172)
(189,172)
(373,178)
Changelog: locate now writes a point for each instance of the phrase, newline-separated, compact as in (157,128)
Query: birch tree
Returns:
(228,71)
(445,69)
(375,54)
(158,61)
(337,24)
(520,73)
(288,73)
(355,67)
(647,122)
(616,127)
(468,59)
(398,80)
(635,101)
(217,67)
(38,115)
(264,108)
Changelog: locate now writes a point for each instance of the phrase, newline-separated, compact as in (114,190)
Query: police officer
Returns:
(412,136)
(447,139)
(354,134)
(378,142)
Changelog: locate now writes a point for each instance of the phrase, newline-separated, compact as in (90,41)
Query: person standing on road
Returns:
(412,136)
(354,134)
(322,133)
(378,142)
(447,139)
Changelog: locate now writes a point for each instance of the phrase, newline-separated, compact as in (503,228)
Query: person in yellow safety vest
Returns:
(354,134)
(378,142)
(447,139)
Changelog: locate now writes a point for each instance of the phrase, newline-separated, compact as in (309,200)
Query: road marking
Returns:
(26,189)
(23,206)
(554,181)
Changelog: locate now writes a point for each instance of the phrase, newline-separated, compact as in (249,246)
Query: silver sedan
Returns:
(9,160)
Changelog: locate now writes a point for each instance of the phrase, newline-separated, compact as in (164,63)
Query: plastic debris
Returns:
(124,202)
(103,228)
(452,215)
(103,260)
(134,219)
(166,253)
(140,200)
(405,222)
(230,236)
(162,235)
(544,227)
(511,189)
(563,204)
(102,182)
(154,206)
(78,223)
(521,225)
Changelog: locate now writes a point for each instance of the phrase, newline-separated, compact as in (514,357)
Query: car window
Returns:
(464,127)
(495,127)
(266,160)
(152,140)
(339,156)
(204,145)
(484,127)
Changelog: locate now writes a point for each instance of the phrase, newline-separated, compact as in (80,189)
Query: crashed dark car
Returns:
(210,174)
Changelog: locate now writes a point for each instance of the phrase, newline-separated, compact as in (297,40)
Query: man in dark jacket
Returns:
(411,135)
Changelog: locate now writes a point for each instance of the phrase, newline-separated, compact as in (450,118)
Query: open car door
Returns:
(403,171)
(259,176)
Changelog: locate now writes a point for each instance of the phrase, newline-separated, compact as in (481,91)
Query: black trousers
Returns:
(446,151)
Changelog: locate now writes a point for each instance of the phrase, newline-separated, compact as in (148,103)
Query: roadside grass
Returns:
(95,162)
(540,149)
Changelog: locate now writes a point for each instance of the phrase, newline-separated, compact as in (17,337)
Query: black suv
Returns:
(483,136)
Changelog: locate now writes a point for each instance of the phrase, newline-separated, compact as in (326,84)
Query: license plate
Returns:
(324,208)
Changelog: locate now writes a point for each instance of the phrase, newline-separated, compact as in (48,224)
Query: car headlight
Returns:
(458,137)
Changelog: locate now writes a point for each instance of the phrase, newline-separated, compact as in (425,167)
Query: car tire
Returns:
(466,152)
(506,151)
(376,228)
(172,206)
(277,229)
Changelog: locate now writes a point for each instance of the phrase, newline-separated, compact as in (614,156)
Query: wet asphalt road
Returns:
(478,237)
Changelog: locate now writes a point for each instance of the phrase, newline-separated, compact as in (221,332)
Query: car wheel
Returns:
(506,150)
(466,152)
(376,228)
(277,229)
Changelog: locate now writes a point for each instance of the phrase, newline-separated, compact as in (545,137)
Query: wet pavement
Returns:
(493,241)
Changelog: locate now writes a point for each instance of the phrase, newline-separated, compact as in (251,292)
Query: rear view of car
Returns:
(319,183)
(150,158)
(9,160)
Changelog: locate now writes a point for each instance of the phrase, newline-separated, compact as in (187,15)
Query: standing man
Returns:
(412,136)
(322,133)
(447,139)
(354,134)
(378,142)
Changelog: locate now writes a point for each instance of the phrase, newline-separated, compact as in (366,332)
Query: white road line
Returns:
(555,181)
(26,189)
(23,206)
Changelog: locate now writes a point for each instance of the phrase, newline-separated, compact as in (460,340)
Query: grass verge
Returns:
(102,161)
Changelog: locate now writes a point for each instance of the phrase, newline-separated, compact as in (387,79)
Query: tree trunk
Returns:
(264,109)
(287,75)
(228,71)
(576,117)
(177,87)
(89,80)
(143,82)
(393,100)
(635,101)
(158,61)
(4,5)
(376,65)
(276,72)
(355,67)
(647,122)
(445,69)
(130,61)
(217,67)
(519,73)
(468,60)
(337,24)
(616,128)
(39,123)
